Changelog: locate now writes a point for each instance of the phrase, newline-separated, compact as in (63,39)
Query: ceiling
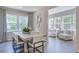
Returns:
(25,8)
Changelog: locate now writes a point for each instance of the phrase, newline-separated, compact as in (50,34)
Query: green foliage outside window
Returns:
(68,21)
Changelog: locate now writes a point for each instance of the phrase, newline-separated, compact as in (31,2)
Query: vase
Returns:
(25,32)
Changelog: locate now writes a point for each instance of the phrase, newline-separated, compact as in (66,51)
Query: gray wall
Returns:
(1,34)
(2,25)
(43,13)
(31,20)
(77,29)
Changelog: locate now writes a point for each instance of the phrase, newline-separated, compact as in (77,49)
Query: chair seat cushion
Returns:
(36,45)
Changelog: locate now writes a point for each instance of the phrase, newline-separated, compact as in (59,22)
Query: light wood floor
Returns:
(54,45)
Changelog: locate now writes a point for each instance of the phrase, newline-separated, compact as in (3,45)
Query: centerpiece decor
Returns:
(26,30)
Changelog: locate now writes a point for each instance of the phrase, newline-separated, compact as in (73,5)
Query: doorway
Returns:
(62,28)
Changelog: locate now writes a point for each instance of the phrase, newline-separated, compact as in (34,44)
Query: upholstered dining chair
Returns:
(36,44)
(17,47)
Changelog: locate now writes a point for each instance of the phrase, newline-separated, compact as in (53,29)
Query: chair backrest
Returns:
(13,41)
(17,47)
(17,38)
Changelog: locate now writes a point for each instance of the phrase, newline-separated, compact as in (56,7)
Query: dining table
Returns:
(25,37)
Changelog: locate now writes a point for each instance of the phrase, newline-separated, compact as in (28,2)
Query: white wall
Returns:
(43,13)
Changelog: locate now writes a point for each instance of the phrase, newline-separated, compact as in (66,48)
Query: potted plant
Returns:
(26,30)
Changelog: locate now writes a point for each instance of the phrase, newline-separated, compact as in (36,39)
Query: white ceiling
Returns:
(25,8)
(60,9)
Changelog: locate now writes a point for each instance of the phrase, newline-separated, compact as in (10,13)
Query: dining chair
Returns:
(37,43)
(18,47)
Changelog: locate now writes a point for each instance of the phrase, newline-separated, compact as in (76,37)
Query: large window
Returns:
(11,23)
(16,23)
(66,22)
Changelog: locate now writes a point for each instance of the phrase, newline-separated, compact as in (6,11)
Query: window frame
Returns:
(17,22)
(10,22)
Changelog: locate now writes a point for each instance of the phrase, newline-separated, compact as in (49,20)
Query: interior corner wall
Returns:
(43,13)
(19,13)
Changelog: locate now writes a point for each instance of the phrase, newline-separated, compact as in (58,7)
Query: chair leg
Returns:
(14,50)
(43,47)
(34,48)
(28,47)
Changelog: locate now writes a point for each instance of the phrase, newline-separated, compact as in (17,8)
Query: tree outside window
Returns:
(11,23)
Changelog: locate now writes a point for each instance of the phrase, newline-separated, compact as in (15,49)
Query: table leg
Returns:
(25,47)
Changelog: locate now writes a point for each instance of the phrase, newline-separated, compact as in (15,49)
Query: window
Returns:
(57,23)
(68,22)
(23,22)
(11,23)
(51,23)
(16,23)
